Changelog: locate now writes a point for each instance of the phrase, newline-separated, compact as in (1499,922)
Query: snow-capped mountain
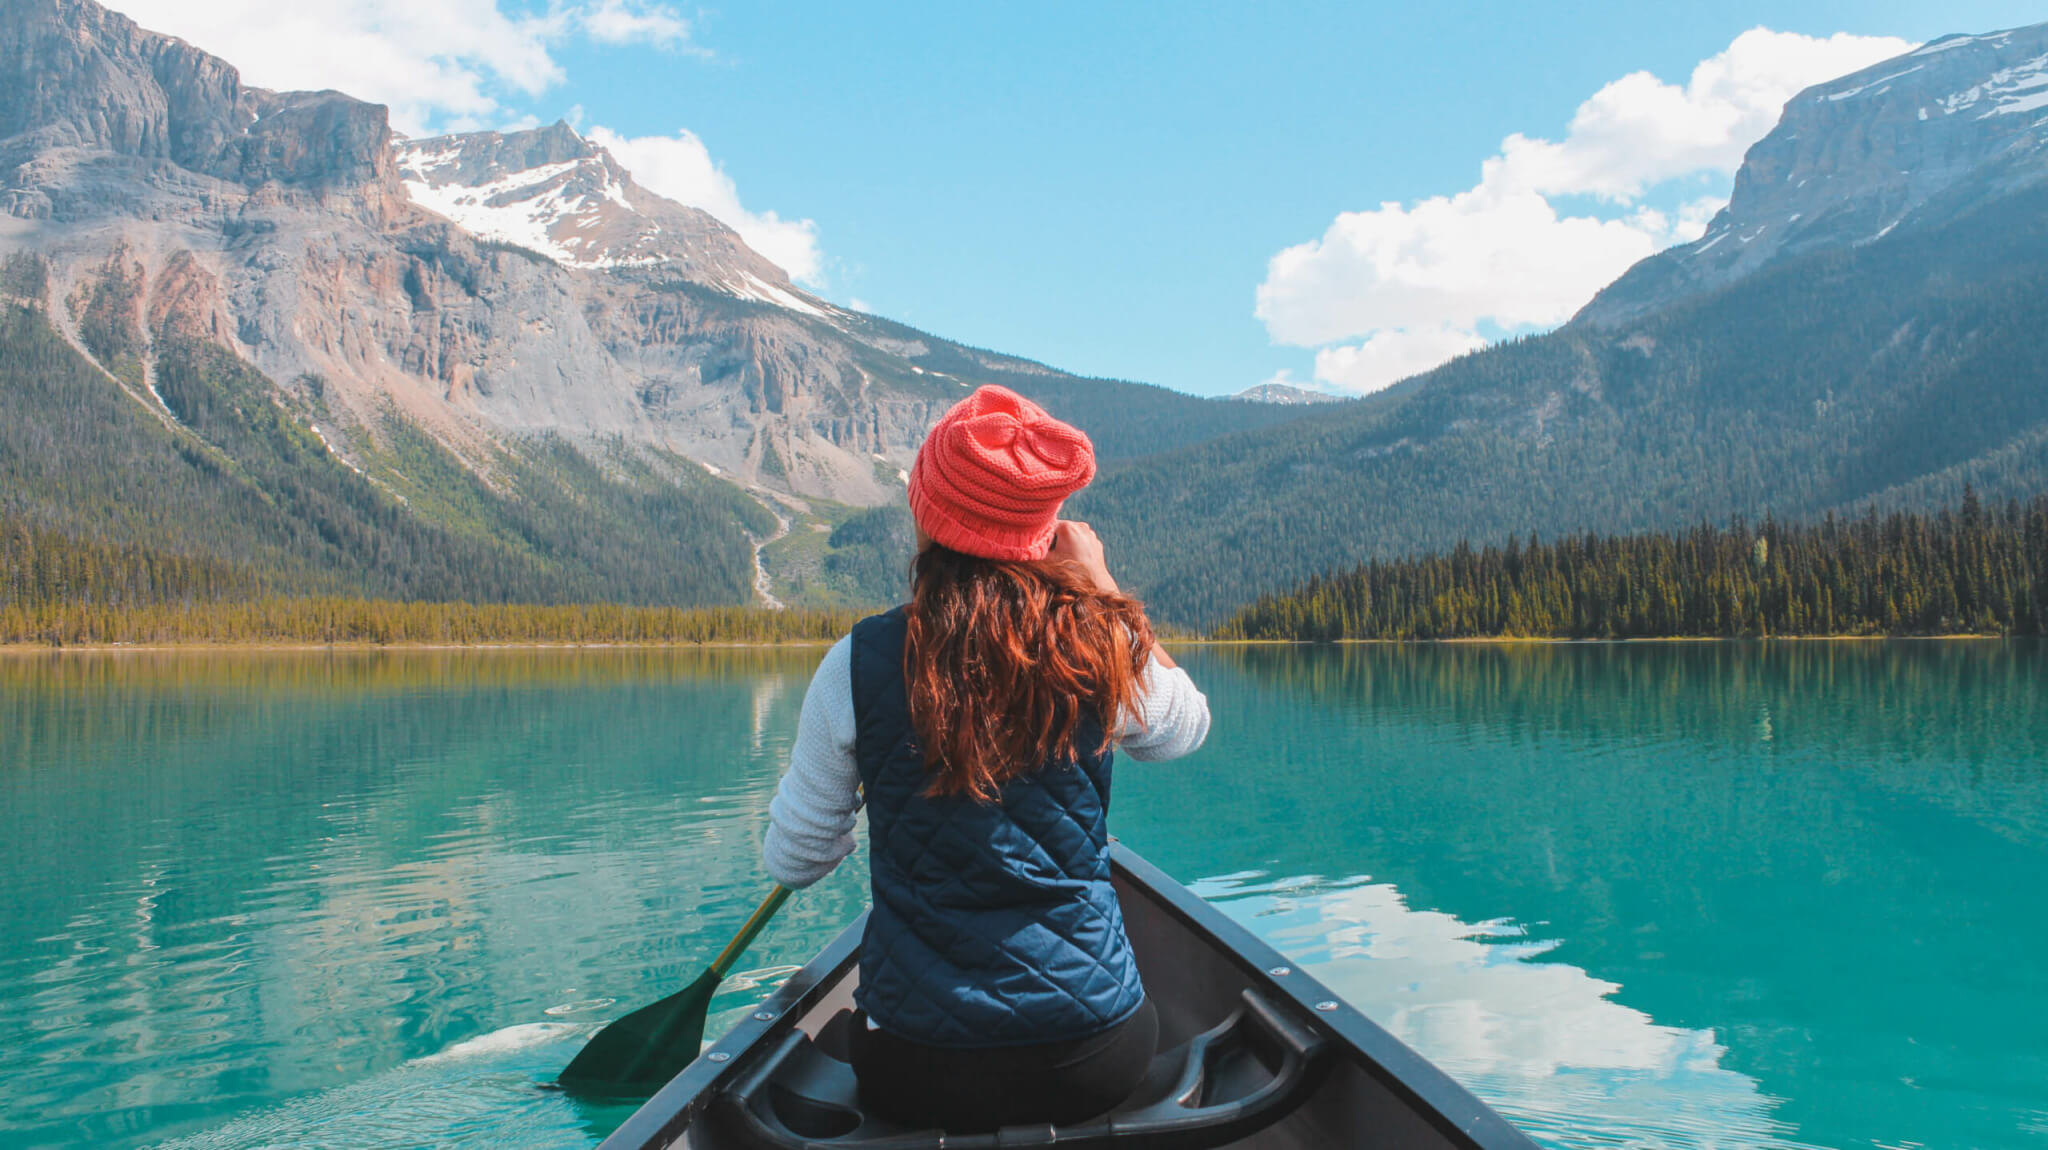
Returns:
(1907,142)
(493,291)
(551,191)
(485,288)
(1866,325)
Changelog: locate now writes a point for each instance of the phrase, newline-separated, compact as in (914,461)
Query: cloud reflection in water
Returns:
(1544,1042)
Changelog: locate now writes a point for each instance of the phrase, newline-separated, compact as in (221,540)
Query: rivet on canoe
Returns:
(1326,1006)
(764,1016)
(719,1056)
(1281,971)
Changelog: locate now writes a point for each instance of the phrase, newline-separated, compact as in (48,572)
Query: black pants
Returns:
(972,1091)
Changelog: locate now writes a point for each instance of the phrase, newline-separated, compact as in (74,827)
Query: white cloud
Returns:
(441,65)
(629,21)
(1639,131)
(1419,281)
(1390,356)
(681,168)
(1449,260)
(1500,1012)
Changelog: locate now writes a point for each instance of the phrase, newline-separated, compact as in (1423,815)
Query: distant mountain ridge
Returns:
(1849,332)
(1951,125)
(491,298)
(1287,394)
(492,365)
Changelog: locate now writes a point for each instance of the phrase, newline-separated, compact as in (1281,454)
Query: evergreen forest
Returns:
(56,590)
(1974,569)
(206,458)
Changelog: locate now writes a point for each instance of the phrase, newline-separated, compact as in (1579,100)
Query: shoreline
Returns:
(1544,640)
(254,645)
(287,646)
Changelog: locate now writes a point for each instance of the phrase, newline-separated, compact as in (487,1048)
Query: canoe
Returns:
(1253,1053)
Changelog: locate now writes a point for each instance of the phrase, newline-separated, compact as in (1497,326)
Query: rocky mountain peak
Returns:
(1915,138)
(75,75)
(1283,393)
(549,190)
(312,139)
(472,159)
(81,83)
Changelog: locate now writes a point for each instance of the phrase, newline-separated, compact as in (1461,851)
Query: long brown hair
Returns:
(1004,659)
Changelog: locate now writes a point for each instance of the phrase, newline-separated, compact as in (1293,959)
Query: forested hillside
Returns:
(40,567)
(57,590)
(1896,371)
(1974,570)
(223,471)
(227,470)
(1123,419)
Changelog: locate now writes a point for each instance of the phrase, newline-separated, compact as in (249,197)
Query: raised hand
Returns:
(1074,543)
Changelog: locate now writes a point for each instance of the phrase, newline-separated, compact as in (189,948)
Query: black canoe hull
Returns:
(1198,966)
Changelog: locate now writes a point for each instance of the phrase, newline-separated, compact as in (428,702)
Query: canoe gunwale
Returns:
(1454,1110)
(1433,1095)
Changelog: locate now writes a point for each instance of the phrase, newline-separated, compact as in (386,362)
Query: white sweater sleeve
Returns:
(811,820)
(1171,719)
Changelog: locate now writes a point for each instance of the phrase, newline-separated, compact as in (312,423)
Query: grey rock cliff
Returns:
(1914,140)
(291,229)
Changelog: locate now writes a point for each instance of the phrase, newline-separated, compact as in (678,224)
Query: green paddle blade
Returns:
(638,1054)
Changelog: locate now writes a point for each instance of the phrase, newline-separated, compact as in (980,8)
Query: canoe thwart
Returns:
(1216,1088)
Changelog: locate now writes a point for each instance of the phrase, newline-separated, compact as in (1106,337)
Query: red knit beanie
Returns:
(992,474)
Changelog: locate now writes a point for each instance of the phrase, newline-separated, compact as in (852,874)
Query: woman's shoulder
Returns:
(880,622)
(879,636)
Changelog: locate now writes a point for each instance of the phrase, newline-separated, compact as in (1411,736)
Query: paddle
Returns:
(636,1055)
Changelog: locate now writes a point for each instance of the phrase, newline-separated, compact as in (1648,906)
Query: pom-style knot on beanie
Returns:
(992,474)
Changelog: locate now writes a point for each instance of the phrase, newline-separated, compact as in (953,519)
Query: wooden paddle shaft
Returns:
(740,941)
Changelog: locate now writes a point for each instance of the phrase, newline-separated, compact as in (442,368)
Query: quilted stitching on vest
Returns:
(993,924)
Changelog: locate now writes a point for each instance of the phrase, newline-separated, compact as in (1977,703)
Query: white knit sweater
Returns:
(811,820)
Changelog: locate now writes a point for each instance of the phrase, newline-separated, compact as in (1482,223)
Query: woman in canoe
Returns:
(976,722)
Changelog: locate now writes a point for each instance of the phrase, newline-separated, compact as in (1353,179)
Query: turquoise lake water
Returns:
(1688,895)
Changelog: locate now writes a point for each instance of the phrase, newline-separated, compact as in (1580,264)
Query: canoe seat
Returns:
(1222,1085)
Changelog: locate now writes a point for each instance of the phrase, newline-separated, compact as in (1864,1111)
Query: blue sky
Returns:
(1105,188)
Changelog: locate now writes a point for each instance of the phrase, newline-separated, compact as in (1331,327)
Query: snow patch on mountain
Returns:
(2020,88)
(752,287)
(557,193)
(540,208)
(1949,43)
(1862,88)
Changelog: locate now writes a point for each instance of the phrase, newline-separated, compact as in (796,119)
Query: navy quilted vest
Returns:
(994,924)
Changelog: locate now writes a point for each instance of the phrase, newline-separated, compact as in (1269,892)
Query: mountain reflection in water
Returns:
(1664,895)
